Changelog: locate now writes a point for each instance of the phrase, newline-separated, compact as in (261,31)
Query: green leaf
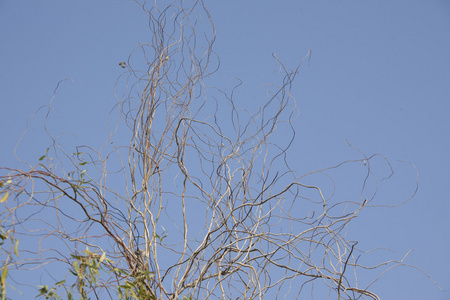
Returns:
(16,248)
(4,198)
(102,258)
(83,163)
(75,265)
(43,289)
(42,157)
(4,274)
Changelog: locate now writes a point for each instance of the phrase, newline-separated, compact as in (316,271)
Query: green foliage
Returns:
(162,236)
(6,194)
(49,159)
(136,289)
(3,281)
(4,236)
(44,291)
(81,181)
(86,268)
(45,155)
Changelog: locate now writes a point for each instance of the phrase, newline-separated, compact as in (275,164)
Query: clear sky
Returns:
(378,76)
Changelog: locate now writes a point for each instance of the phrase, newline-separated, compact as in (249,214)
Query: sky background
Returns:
(378,76)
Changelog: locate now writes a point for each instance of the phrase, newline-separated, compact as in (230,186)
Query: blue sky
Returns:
(378,76)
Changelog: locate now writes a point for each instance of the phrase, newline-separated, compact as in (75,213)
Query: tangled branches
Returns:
(201,203)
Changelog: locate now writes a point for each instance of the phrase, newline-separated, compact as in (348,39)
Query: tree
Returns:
(196,205)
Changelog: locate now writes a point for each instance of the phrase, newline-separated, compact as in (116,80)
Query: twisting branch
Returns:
(343,271)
